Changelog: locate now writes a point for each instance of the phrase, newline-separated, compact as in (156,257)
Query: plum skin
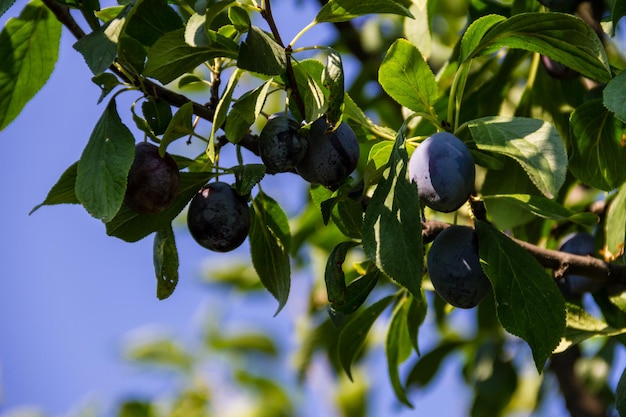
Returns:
(153,182)
(218,218)
(443,169)
(330,157)
(280,146)
(454,267)
(579,244)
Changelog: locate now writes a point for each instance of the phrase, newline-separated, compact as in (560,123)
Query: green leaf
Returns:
(150,20)
(615,225)
(165,258)
(407,78)
(270,240)
(597,151)
(63,192)
(162,352)
(357,292)
(344,10)
(398,347)
(29,48)
(354,332)
(543,207)
(562,37)
(619,11)
(158,114)
(581,326)
(247,177)
(5,5)
(534,144)
(614,95)
(246,343)
(131,226)
(377,161)
(244,112)
(333,80)
(308,75)
(415,317)
(104,165)
(528,301)
(620,391)
(334,276)
(239,18)
(392,228)
(261,54)
(107,83)
(475,33)
(170,57)
(99,48)
(179,125)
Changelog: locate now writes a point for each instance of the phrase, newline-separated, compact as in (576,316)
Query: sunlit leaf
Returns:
(343,10)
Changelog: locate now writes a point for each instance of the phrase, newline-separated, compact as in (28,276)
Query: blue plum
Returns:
(454,267)
(280,146)
(330,156)
(218,218)
(443,169)
(153,182)
(579,244)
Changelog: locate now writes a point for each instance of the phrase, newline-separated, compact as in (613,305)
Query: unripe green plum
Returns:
(443,169)
(218,218)
(153,181)
(280,146)
(579,244)
(454,267)
(330,156)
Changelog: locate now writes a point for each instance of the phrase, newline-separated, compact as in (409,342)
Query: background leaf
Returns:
(29,48)
(104,164)
(407,78)
(597,151)
(269,247)
(534,144)
(165,259)
(149,20)
(398,347)
(615,225)
(528,301)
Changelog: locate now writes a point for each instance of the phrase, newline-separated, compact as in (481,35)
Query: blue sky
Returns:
(69,294)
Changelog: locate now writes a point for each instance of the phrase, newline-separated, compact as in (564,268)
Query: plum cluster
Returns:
(454,267)
(322,156)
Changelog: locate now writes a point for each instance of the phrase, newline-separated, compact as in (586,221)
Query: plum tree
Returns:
(454,267)
(443,169)
(579,244)
(560,5)
(280,146)
(153,181)
(218,218)
(330,157)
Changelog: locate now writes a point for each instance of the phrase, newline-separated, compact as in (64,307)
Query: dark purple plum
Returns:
(454,267)
(579,244)
(280,146)
(330,157)
(218,218)
(443,169)
(153,181)
(558,70)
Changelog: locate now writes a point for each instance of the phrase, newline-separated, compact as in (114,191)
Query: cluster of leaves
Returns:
(546,150)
